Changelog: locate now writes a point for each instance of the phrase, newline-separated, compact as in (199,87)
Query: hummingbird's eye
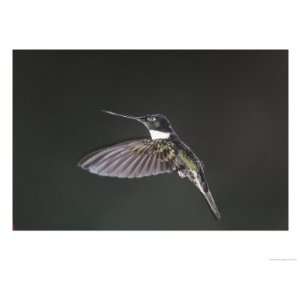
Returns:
(151,119)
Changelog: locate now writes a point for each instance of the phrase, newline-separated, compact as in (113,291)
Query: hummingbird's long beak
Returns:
(124,116)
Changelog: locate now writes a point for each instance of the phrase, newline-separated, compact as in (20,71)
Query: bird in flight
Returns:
(164,152)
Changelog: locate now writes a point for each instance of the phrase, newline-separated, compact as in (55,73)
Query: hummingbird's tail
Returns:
(212,204)
(203,187)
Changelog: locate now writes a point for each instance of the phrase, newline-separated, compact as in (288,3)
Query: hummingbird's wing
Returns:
(132,159)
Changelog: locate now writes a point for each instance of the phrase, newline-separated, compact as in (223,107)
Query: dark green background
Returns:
(231,107)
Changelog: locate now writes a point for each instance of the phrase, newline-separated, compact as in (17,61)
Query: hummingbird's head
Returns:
(157,122)
(158,125)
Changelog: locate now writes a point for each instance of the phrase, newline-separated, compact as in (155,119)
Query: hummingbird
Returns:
(164,152)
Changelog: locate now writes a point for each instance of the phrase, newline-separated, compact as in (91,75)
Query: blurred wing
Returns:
(132,159)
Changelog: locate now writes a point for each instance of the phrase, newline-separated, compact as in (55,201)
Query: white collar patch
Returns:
(156,134)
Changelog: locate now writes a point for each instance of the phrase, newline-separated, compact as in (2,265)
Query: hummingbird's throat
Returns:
(156,134)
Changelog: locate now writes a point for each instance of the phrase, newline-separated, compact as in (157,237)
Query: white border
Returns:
(148,265)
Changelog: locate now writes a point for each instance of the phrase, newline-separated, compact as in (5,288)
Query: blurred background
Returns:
(230,107)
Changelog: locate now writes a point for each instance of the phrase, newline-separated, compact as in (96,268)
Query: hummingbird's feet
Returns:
(181,173)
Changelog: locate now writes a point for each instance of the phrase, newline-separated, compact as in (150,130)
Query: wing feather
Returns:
(132,159)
